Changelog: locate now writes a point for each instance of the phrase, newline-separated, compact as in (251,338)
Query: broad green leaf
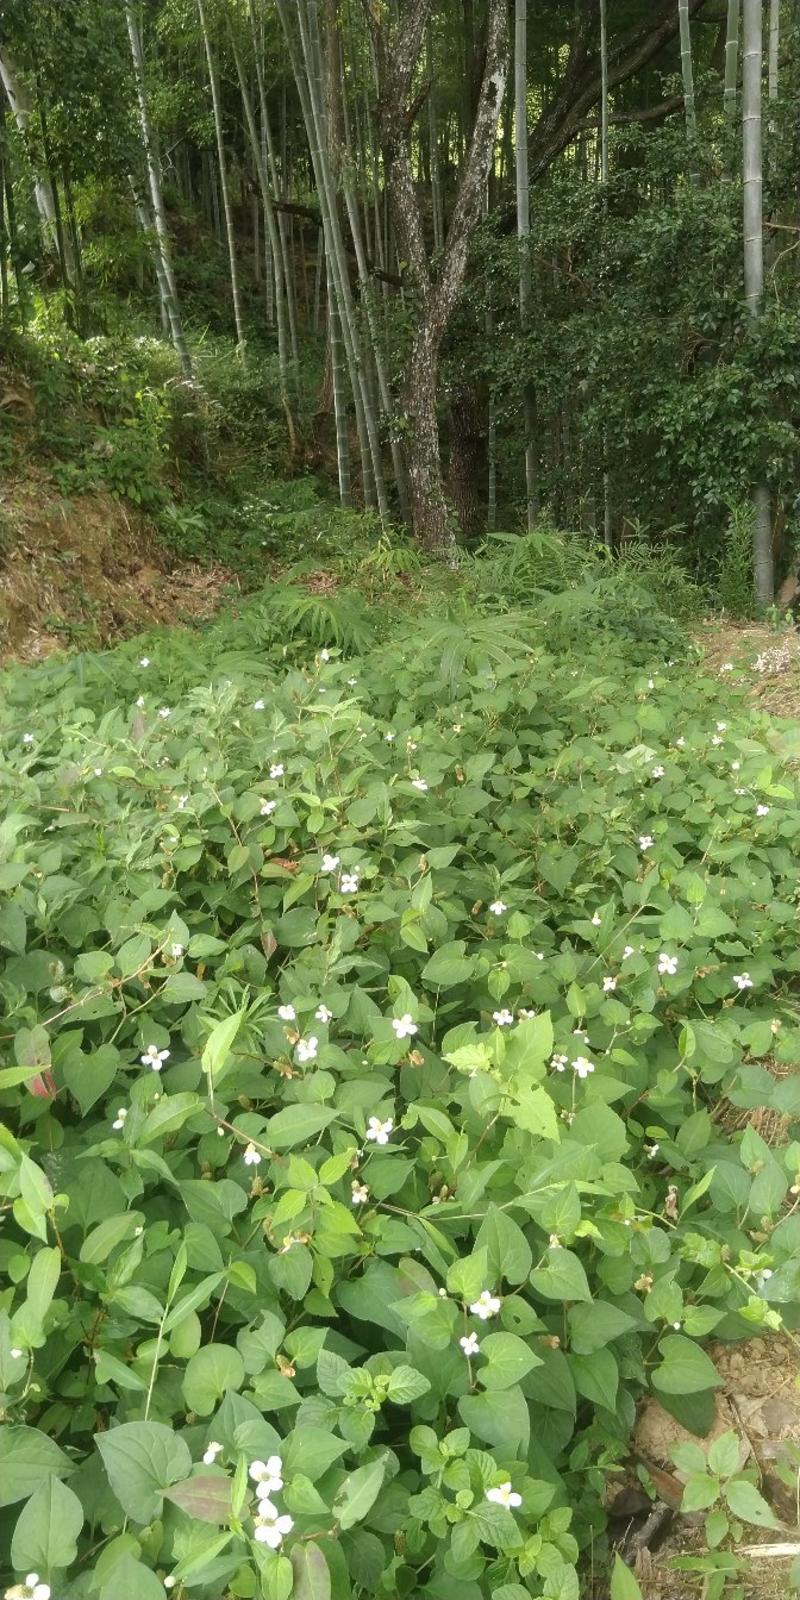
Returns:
(110,1369)
(34,1187)
(406,1385)
(206,1496)
(700,1491)
(46,1533)
(142,1459)
(99,1243)
(746,1502)
(42,1281)
(27,1459)
(448,966)
(209,1375)
(358,1493)
(624,1586)
(297,1125)
(312,1579)
(684,1368)
(508,1252)
(134,1580)
(562,1278)
(593,1326)
(277,1577)
(507,1359)
(169,1114)
(219,1044)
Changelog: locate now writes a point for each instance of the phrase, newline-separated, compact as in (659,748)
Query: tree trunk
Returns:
(468,457)
(429,513)
(227,207)
(4,297)
(338,369)
(774,46)
(367,301)
(66,262)
(437,202)
(154,179)
(752,66)
(21,110)
(732,58)
(272,167)
(397,51)
(687,70)
(145,220)
(523,234)
(274,249)
(307,78)
(603,93)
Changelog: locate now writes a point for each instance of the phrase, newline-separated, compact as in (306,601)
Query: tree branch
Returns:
(580,88)
(665,108)
(475,172)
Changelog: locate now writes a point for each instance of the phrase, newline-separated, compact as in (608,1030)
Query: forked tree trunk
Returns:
(230,231)
(153,164)
(752,66)
(397,50)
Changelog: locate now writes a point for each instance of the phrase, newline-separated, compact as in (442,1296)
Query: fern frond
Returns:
(340,618)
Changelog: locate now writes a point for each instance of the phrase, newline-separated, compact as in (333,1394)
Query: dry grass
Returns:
(88,570)
(776,688)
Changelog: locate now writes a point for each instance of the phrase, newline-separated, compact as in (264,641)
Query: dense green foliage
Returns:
(659,403)
(388,970)
(646,366)
(442,963)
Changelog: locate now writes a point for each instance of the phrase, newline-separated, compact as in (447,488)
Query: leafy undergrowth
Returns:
(365,1020)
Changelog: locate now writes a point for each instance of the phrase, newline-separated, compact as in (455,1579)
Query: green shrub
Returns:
(365,1022)
(734,585)
(576,588)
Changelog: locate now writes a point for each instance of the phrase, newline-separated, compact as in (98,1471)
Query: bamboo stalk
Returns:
(230,231)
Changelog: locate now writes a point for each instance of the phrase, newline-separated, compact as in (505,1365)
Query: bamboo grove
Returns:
(533,259)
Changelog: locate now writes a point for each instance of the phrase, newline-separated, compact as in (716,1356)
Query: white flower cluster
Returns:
(271,1526)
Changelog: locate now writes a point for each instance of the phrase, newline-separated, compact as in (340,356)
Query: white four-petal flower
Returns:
(379,1131)
(487,1305)
(153,1057)
(404,1026)
(503,1494)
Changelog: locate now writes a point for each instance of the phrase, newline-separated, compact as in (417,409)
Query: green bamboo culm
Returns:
(752,183)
